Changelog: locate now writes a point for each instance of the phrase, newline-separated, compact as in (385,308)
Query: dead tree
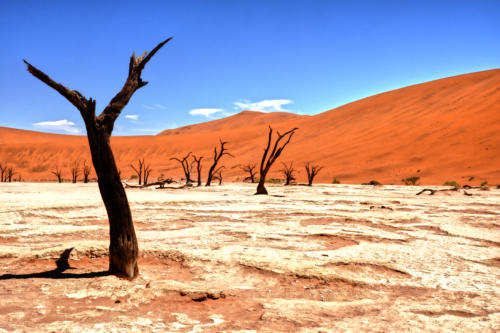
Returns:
(198,168)
(288,171)
(3,172)
(86,172)
(269,157)
(75,171)
(186,167)
(250,168)
(10,174)
(139,170)
(58,174)
(217,156)
(312,171)
(123,248)
(218,175)
(146,172)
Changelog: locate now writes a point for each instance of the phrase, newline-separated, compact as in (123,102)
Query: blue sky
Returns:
(299,56)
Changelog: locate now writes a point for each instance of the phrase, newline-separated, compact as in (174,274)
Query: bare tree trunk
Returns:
(267,161)
(10,173)
(86,172)
(312,171)
(58,174)
(217,157)
(186,167)
(250,168)
(288,172)
(123,248)
(139,170)
(75,171)
(218,174)
(198,168)
(146,173)
(3,169)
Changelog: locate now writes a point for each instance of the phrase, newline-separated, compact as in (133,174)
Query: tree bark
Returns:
(261,189)
(123,247)
(269,157)
(198,167)
(217,157)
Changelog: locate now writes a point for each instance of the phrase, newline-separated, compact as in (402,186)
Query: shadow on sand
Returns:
(58,273)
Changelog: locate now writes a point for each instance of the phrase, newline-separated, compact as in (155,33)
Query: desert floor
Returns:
(325,258)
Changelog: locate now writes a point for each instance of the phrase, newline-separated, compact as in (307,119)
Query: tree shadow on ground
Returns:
(58,273)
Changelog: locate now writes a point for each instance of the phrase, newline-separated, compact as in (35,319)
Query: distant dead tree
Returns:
(250,168)
(58,174)
(267,161)
(288,171)
(217,156)
(186,167)
(312,171)
(123,248)
(3,172)
(10,174)
(75,171)
(86,172)
(139,170)
(146,172)
(197,160)
(218,175)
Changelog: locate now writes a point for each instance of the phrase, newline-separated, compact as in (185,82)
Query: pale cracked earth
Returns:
(327,258)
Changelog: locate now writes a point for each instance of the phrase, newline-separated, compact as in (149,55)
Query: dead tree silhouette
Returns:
(58,174)
(186,167)
(75,171)
(123,248)
(218,174)
(146,172)
(139,170)
(6,173)
(312,171)
(250,168)
(10,174)
(198,168)
(217,156)
(3,172)
(86,172)
(288,171)
(267,161)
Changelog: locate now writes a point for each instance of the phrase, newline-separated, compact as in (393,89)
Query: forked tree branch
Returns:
(73,96)
(86,106)
(276,152)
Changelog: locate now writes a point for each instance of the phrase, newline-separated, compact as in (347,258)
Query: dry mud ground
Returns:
(325,258)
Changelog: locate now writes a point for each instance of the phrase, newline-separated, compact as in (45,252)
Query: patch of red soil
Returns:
(367,268)
(332,242)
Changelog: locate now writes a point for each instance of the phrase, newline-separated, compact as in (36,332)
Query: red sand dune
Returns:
(242,119)
(441,130)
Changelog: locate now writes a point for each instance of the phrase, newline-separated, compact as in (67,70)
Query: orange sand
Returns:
(441,130)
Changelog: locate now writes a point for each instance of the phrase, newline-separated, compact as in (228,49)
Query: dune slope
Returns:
(440,130)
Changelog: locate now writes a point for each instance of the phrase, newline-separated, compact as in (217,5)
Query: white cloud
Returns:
(132,116)
(156,106)
(267,105)
(161,107)
(147,107)
(207,112)
(58,125)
